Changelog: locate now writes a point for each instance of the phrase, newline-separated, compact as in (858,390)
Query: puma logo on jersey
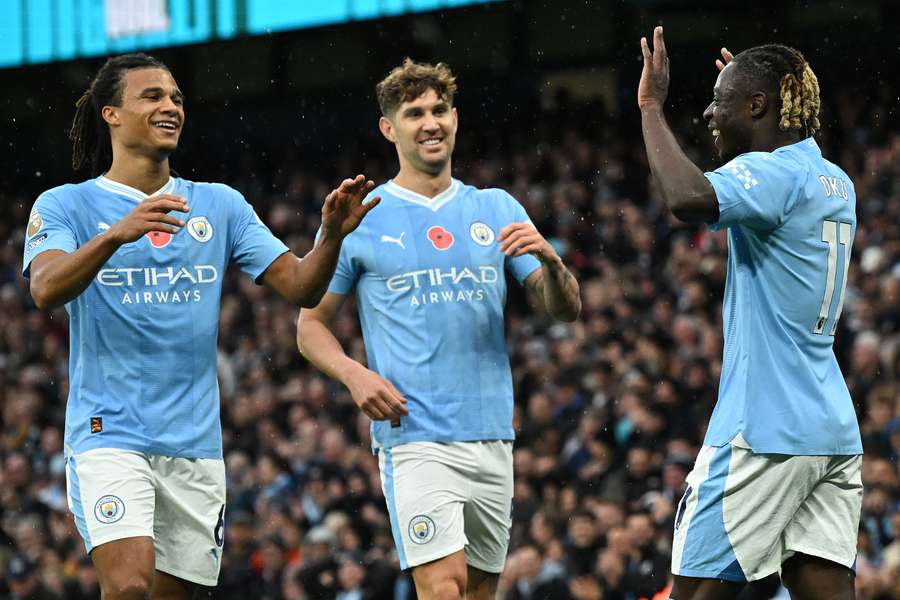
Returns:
(394,240)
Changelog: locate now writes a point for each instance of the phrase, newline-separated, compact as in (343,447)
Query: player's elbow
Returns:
(304,332)
(694,207)
(43,300)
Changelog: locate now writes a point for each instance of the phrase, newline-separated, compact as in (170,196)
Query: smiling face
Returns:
(150,116)
(729,116)
(424,131)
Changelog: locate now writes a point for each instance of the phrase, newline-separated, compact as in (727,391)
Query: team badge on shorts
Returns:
(421,529)
(109,509)
(200,229)
(481,233)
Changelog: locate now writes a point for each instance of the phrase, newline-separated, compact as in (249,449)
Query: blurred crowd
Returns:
(609,411)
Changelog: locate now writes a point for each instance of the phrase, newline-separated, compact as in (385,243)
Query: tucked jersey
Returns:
(430,286)
(791,219)
(142,359)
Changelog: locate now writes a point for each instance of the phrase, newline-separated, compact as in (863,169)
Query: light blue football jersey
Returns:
(791,219)
(142,358)
(430,286)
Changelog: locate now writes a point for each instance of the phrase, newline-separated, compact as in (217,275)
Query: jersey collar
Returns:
(434,203)
(129,192)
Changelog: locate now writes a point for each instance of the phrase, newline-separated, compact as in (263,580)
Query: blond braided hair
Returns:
(785,69)
(800,101)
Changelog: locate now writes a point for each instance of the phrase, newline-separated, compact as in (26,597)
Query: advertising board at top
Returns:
(40,31)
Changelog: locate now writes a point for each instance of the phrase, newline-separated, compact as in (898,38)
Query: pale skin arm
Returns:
(304,281)
(376,396)
(58,277)
(552,286)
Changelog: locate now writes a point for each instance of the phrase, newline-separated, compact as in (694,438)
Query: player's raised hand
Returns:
(517,239)
(376,396)
(654,85)
(726,58)
(344,210)
(149,215)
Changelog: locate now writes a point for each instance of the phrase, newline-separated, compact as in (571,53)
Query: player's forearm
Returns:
(561,292)
(320,347)
(688,194)
(313,272)
(67,275)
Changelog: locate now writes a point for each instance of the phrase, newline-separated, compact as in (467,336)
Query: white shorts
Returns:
(179,502)
(744,514)
(447,497)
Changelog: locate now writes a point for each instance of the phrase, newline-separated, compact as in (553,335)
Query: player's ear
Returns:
(759,104)
(110,114)
(455,117)
(387,129)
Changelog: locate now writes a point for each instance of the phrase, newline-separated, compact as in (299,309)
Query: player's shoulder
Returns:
(68,192)
(493,195)
(781,167)
(212,189)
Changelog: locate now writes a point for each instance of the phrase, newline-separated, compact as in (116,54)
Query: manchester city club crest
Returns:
(481,233)
(200,229)
(421,529)
(109,509)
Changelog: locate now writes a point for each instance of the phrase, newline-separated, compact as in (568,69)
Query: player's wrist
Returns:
(651,108)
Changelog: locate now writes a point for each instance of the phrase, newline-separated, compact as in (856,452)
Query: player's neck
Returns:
(423,183)
(140,172)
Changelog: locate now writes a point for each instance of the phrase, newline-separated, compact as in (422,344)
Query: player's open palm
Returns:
(376,396)
(344,209)
(150,215)
(654,85)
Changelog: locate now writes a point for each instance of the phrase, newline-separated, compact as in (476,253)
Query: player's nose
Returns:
(431,124)
(708,113)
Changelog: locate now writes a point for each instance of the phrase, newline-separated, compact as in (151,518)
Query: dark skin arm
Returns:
(58,277)
(304,281)
(688,194)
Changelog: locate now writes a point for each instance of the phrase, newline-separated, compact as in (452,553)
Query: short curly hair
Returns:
(410,80)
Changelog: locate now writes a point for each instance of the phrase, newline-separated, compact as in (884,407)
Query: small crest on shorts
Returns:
(421,529)
(109,509)
(96,424)
(200,228)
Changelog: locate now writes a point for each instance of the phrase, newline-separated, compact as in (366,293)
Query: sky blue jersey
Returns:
(791,219)
(142,358)
(430,285)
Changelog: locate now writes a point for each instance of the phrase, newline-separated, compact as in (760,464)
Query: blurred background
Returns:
(610,410)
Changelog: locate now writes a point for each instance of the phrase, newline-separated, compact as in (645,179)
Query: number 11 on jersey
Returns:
(834,233)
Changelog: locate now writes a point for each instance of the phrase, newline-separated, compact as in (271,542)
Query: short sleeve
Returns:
(520,266)
(754,190)
(49,228)
(254,247)
(347,271)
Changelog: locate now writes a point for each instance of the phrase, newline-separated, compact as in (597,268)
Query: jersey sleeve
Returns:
(49,228)
(254,247)
(347,271)
(520,266)
(755,190)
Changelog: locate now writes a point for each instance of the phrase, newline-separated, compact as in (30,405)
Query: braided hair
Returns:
(90,133)
(785,69)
